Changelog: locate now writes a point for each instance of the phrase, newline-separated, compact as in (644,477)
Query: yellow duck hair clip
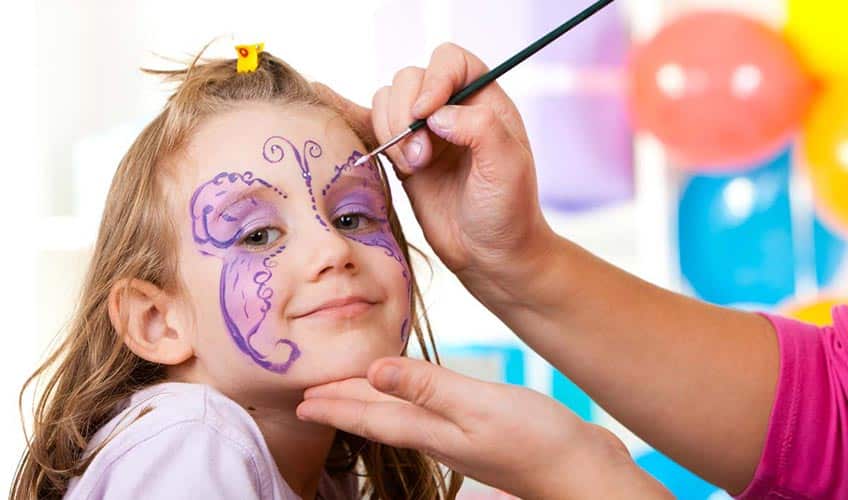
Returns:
(248,57)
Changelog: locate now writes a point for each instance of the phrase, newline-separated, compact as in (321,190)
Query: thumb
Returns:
(359,117)
(424,384)
(479,128)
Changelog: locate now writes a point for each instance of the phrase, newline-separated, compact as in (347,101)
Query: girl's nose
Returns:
(328,252)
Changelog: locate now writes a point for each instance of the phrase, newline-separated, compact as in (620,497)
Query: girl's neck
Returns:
(299,449)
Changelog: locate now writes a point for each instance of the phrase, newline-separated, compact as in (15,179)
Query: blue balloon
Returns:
(509,359)
(830,253)
(735,235)
(682,483)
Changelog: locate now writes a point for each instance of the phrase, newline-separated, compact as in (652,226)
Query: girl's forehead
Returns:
(272,141)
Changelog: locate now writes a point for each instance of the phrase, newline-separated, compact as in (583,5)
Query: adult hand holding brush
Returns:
(471,180)
(696,381)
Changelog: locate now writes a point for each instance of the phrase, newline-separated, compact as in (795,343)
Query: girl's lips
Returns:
(345,308)
(346,311)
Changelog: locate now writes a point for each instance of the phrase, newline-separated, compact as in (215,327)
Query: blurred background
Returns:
(702,145)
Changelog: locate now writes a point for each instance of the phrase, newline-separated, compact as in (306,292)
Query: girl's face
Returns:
(290,266)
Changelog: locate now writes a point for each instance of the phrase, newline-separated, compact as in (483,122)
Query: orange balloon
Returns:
(720,90)
(826,156)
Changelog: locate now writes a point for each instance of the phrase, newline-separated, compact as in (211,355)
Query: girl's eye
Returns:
(262,237)
(347,221)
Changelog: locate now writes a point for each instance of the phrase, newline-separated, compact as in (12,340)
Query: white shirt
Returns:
(180,441)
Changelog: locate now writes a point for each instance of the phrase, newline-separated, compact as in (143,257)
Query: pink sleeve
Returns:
(806,449)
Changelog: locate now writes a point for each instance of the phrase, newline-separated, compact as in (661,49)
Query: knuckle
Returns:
(380,96)
(484,120)
(446,48)
(431,442)
(441,81)
(449,59)
(361,427)
(425,391)
(408,73)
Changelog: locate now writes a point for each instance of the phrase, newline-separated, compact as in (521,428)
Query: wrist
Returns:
(599,466)
(528,278)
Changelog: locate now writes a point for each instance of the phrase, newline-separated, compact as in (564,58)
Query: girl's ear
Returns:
(149,321)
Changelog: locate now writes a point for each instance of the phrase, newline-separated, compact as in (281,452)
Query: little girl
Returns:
(241,258)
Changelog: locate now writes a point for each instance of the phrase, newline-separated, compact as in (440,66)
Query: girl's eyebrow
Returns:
(355,179)
(227,199)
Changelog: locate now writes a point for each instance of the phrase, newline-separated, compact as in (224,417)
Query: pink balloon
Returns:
(719,90)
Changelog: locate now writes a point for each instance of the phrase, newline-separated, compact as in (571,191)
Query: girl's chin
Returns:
(332,370)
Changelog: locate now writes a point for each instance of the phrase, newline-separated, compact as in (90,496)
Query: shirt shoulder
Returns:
(806,449)
(179,441)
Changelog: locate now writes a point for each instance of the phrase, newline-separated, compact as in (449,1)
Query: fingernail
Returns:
(387,378)
(443,119)
(302,413)
(420,106)
(412,151)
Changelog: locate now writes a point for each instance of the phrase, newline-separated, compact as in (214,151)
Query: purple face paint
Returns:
(224,210)
(229,207)
(370,171)
(274,151)
(361,193)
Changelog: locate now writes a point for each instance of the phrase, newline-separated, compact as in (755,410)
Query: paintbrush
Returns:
(493,75)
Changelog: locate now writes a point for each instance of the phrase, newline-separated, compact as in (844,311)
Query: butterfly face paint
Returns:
(225,210)
(359,190)
(229,213)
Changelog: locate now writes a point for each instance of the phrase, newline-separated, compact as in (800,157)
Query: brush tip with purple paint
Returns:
(394,140)
(362,160)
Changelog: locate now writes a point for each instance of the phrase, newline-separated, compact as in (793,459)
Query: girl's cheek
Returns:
(249,290)
(383,239)
(245,290)
(245,293)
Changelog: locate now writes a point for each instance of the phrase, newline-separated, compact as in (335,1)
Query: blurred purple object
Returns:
(579,131)
(583,149)
(496,29)
(582,139)
(600,41)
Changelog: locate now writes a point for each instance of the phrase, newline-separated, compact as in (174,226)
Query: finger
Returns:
(408,154)
(433,387)
(451,68)
(380,114)
(396,424)
(354,388)
(479,128)
(381,120)
(359,117)
(380,117)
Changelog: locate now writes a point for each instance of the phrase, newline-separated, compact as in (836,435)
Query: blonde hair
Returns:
(92,371)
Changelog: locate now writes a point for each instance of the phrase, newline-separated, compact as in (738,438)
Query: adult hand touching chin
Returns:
(506,436)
